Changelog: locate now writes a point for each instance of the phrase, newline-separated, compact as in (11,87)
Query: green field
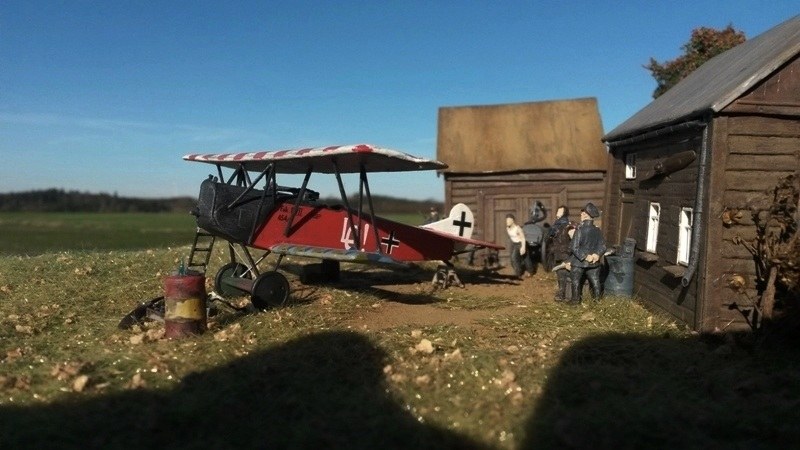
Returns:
(37,233)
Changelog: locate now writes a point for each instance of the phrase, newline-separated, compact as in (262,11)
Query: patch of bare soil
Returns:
(411,300)
(393,315)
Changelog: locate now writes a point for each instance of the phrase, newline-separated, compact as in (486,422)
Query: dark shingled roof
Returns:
(718,82)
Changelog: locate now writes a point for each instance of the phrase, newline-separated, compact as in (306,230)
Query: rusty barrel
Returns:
(184,305)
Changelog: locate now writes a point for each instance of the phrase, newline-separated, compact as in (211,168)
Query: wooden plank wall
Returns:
(754,142)
(615,177)
(516,191)
(652,283)
(754,153)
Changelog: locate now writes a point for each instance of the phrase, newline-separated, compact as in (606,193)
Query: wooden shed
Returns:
(502,158)
(715,142)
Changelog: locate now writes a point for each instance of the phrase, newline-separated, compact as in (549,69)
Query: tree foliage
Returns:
(776,246)
(59,200)
(704,44)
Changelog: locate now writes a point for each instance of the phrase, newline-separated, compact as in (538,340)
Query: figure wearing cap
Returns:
(559,242)
(587,247)
(534,235)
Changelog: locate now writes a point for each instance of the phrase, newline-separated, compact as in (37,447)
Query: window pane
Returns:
(652,227)
(685,235)
(630,166)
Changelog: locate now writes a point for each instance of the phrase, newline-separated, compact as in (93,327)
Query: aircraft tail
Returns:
(460,222)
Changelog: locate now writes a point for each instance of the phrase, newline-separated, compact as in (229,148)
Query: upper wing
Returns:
(347,158)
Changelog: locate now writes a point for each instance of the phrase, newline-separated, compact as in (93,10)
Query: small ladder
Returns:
(203,244)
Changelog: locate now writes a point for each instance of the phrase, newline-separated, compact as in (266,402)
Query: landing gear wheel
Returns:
(270,289)
(230,270)
(445,277)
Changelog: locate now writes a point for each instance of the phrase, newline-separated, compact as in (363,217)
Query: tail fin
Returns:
(460,222)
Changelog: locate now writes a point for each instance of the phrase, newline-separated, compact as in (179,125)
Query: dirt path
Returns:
(523,295)
(393,315)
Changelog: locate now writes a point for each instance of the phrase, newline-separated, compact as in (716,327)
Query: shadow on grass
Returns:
(483,276)
(406,299)
(321,391)
(370,279)
(420,274)
(621,391)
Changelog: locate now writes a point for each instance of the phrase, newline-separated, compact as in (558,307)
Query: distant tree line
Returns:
(59,200)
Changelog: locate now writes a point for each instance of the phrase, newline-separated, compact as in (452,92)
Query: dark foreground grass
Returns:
(608,375)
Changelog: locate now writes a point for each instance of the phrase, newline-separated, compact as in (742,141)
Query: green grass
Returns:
(36,233)
(408,219)
(607,375)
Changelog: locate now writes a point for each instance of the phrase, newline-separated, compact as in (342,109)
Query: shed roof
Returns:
(548,135)
(718,82)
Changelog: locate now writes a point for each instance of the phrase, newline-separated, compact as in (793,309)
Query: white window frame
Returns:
(685,221)
(653,219)
(630,166)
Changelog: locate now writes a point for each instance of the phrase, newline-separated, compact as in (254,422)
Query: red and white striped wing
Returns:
(345,158)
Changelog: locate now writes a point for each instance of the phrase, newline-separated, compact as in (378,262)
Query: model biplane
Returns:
(250,210)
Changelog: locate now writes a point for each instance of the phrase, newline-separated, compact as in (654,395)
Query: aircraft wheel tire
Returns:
(270,289)
(230,270)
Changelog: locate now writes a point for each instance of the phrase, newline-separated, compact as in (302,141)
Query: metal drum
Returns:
(184,305)
(619,280)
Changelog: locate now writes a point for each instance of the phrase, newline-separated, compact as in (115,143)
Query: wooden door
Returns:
(626,215)
(498,205)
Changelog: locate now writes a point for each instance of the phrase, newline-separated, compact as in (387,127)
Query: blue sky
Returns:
(106,96)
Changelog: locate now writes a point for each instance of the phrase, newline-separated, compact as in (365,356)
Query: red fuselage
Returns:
(329,227)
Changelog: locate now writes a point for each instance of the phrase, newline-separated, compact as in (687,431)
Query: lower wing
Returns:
(337,254)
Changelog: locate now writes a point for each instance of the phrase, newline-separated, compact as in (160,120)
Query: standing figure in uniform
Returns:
(534,235)
(518,246)
(587,247)
(558,246)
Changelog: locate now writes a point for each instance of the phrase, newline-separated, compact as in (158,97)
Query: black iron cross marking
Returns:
(461,224)
(390,242)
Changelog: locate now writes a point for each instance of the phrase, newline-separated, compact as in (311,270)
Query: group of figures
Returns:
(574,249)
